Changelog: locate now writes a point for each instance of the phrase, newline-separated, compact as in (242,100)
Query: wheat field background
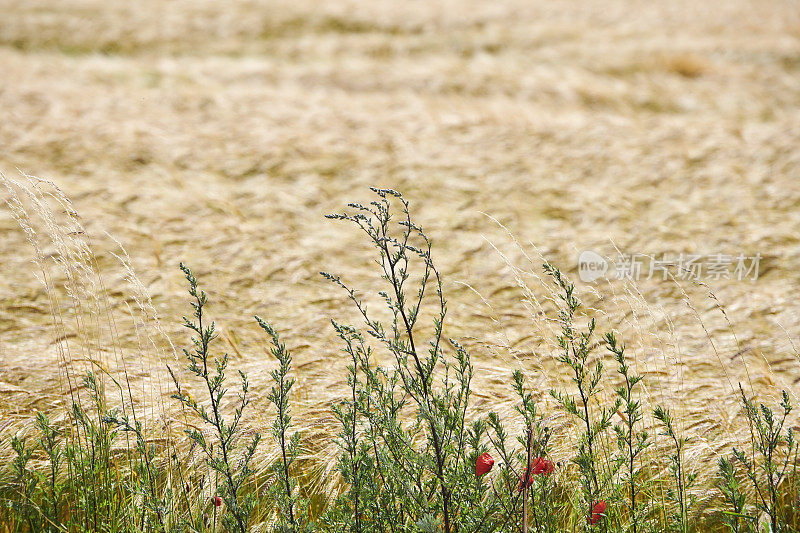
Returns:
(220,133)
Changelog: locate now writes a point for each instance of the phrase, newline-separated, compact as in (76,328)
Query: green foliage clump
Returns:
(416,455)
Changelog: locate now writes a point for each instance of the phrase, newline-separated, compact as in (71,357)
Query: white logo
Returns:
(591,266)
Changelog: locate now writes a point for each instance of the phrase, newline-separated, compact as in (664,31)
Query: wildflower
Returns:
(483,464)
(598,512)
(543,466)
(540,466)
(217,501)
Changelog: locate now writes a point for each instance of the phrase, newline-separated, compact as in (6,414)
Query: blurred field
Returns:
(220,133)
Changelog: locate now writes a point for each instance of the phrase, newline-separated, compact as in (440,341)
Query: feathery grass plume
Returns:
(75,301)
(682,481)
(575,348)
(292,515)
(771,455)
(223,450)
(631,440)
(88,487)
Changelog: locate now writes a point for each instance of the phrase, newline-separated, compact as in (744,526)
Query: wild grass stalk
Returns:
(771,454)
(575,349)
(631,440)
(285,489)
(440,412)
(220,450)
(683,481)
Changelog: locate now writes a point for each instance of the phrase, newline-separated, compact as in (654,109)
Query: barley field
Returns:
(220,134)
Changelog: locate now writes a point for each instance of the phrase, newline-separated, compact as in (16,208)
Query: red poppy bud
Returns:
(483,464)
(217,501)
(598,512)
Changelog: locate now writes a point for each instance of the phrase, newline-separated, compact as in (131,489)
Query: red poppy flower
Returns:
(543,466)
(217,501)
(598,512)
(483,464)
(540,466)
